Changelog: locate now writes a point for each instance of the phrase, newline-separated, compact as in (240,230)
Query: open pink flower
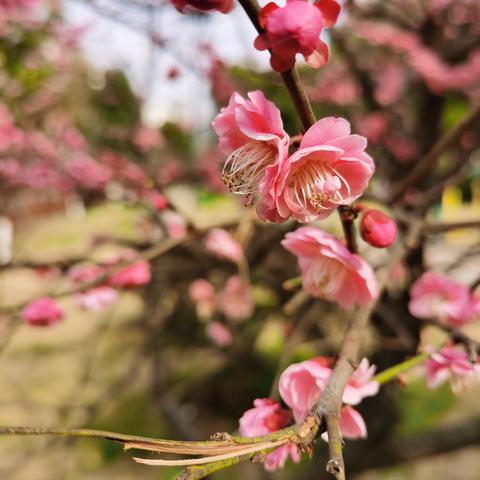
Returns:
(330,168)
(135,275)
(302,384)
(434,296)
(223,245)
(360,384)
(329,270)
(183,6)
(295,28)
(42,312)
(452,364)
(378,229)
(251,132)
(97,298)
(266,417)
(235,300)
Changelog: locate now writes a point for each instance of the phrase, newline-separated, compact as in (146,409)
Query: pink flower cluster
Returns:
(221,244)
(452,364)
(436,297)
(329,270)
(234,300)
(296,28)
(301,386)
(42,312)
(437,74)
(330,168)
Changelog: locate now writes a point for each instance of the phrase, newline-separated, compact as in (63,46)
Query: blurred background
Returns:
(106,152)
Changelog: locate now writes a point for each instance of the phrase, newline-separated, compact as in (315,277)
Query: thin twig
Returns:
(432,157)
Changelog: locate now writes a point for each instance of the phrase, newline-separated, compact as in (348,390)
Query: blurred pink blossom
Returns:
(87,173)
(329,270)
(42,312)
(266,417)
(146,138)
(372,125)
(96,298)
(296,28)
(434,296)
(202,294)
(219,334)
(221,243)
(135,275)
(174,223)
(155,199)
(330,168)
(452,364)
(85,273)
(235,299)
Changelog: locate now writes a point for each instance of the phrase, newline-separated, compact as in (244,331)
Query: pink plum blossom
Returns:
(302,384)
(329,169)
(85,273)
(146,138)
(87,173)
(296,28)
(135,275)
(42,312)
(235,299)
(452,364)
(251,132)
(329,270)
(378,229)
(155,199)
(174,223)
(266,417)
(202,294)
(97,298)
(434,296)
(223,6)
(219,334)
(360,384)
(223,245)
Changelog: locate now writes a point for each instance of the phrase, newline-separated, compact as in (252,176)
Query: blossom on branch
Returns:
(97,298)
(302,384)
(436,297)
(329,270)
(251,132)
(135,275)
(42,312)
(378,229)
(296,28)
(266,417)
(452,364)
(331,168)
(220,243)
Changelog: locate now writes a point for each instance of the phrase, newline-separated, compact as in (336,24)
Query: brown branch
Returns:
(330,403)
(431,158)
(446,227)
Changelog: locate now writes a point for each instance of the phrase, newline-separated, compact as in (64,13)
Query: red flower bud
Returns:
(378,229)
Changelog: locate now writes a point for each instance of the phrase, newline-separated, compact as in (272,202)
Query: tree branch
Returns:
(432,157)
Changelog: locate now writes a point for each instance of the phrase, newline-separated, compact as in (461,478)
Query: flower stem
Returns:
(393,372)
